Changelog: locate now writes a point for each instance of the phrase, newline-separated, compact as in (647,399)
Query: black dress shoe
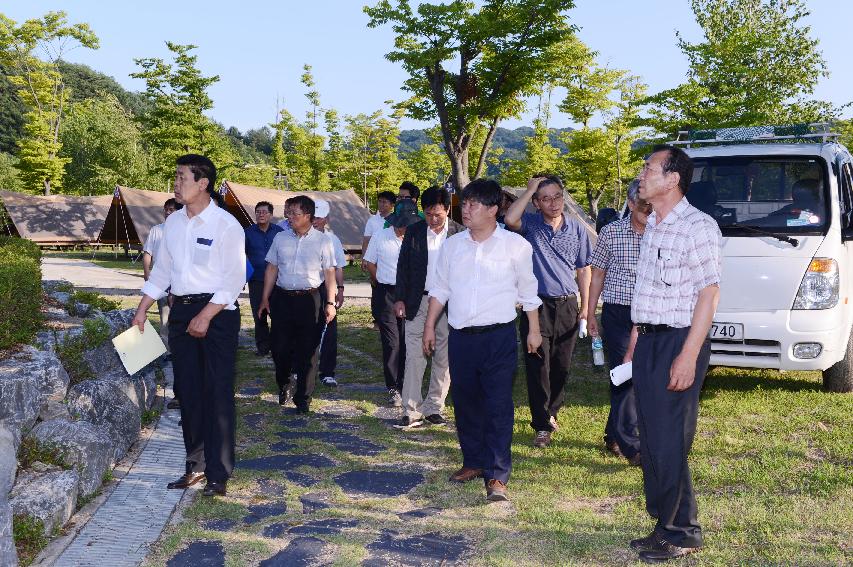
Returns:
(648,542)
(664,551)
(214,488)
(302,408)
(173,404)
(285,395)
(186,481)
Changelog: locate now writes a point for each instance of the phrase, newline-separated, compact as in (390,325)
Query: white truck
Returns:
(783,197)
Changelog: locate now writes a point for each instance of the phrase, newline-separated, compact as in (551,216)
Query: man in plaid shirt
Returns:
(675,297)
(614,269)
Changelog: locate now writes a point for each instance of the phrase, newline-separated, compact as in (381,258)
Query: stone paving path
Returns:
(135,513)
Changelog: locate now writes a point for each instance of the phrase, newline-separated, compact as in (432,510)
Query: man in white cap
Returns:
(328,350)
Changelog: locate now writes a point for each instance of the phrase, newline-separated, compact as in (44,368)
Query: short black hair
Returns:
(679,162)
(388,196)
(435,196)
(487,192)
(266,204)
(203,168)
(305,203)
(549,180)
(172,202)
(413,190)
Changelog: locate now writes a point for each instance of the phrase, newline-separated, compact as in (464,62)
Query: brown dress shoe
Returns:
(636,460)
(496,491)
(542,439)
(613,447)
(186,481)
(664,551)
(465,474)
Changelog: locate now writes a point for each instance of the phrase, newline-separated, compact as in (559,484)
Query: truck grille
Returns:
(752,348)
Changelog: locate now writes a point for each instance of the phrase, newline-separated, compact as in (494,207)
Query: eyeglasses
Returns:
(549,200)
(291,214)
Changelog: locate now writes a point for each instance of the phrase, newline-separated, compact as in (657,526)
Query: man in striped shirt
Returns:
(676,294)
(614,269)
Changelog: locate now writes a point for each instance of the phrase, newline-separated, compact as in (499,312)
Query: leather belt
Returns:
(192,298)
(558,297)
(480,329)
(297,292)
(646,328)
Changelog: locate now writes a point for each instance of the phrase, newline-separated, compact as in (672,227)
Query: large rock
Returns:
(21,395)
(49,372)
(87,447)
(51,497)
(118,320)
(103,359)
(145,383)
(107,404)
(8,462)
(8,555)
(54,410)
(60,297)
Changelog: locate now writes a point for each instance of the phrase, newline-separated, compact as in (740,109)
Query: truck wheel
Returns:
(839,376)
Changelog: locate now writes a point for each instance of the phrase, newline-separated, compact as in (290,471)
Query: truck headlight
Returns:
(819,288)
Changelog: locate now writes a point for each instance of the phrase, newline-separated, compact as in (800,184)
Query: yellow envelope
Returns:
(138,349)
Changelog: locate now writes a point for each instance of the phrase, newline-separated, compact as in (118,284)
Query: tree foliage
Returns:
(502,50)
(41,89)
(103,145)
(756,64)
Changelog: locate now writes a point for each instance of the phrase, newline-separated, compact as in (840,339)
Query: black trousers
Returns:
(622,421)
(392,334)
(546,376)
(262,327)
(204,382)
(295,335)
(667,426)
(328,353)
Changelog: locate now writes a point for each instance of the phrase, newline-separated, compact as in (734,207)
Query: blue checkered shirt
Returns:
(617,252)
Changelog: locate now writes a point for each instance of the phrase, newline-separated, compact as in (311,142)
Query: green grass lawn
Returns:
(103,258)
(772,465)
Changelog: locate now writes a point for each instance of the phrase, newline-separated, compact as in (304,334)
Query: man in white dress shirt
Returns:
(327,356)
(150,251)
(298,263)
(203,259)
(492,271)
(381,258)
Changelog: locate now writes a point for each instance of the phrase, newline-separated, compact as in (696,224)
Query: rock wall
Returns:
(92,424)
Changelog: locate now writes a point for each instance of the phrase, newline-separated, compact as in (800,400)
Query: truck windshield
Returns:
(777,194)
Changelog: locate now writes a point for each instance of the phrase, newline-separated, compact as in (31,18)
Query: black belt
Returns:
(296,292)
(646,328)
(558,297)
(426,293)
(479,329)
(192,298)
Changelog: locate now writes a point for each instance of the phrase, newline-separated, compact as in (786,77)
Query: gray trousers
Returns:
(164,309)
(414,404)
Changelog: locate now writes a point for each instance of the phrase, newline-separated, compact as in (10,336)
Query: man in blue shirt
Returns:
(561,257)
(259,238)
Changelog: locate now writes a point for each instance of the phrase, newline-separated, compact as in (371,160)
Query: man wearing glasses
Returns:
(614,270)
(561,254)
(259,237)
(295,263)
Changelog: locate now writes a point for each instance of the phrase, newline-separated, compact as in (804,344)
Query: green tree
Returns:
(176,124)
(374,162)
(599,158)
(83,82)
(756,64)
(9,178)
(503,50)
(12,111)
(41,89)
(318,179)
(428,165)
(103,145)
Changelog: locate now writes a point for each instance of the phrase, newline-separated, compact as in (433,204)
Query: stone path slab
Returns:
(134,514)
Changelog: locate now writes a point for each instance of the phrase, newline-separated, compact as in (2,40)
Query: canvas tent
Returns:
(132,213)
(347,218)
(54,220)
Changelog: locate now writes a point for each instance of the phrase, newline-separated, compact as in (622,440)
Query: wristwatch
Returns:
(332,303)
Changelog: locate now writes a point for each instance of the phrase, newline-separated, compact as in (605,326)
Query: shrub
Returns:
(21,247)
(91,298)
(20,293)
(95,333)
(31,451)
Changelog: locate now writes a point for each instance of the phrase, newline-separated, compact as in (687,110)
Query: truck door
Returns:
(845,197)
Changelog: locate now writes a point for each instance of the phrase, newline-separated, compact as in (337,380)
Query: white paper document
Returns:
(138,349)
(621,374)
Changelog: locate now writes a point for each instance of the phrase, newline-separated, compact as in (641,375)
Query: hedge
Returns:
(20,291)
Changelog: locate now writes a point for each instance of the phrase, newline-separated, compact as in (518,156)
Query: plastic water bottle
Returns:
(597,351)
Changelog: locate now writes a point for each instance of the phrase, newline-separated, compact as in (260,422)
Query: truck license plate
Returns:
(726,331)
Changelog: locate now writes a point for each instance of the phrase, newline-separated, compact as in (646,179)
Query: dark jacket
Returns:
(412,265)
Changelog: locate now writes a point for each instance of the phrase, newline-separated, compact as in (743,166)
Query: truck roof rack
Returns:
(815,131)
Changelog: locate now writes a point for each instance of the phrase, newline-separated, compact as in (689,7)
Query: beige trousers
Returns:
(414,404)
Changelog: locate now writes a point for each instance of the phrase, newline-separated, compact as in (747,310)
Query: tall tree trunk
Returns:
(487,144)
(46,186)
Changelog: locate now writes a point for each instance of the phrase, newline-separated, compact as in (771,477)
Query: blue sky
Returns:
(258,47)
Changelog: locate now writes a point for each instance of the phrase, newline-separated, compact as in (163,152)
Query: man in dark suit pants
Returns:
(415,275)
